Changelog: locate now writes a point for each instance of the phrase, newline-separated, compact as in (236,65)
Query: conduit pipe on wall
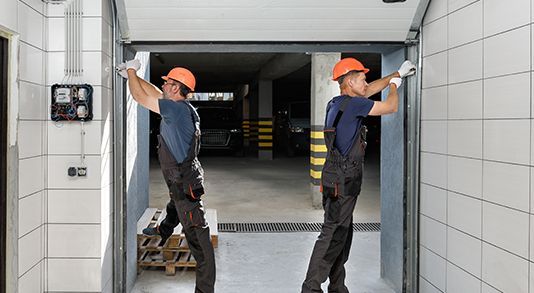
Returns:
(73,42)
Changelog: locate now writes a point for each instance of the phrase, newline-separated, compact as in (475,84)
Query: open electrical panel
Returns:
(72,102)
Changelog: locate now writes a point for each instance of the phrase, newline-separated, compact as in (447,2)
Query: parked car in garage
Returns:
(221,129)
(292,128)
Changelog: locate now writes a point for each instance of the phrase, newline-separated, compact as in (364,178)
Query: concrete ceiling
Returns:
(226,71)
(214,72)
(272,20)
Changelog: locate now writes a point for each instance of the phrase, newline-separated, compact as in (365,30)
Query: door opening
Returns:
(3,163)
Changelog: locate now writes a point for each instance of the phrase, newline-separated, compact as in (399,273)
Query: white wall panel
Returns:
(31,176)
(426,287)
(58,165)
(434,103)
(82,241)
(465,25)
(507,96)
(497,223)
(433,202)
(457,4)
(464,251)
(9,14)
(464,213)
(32,101)
(435,37)
(31,64)
(30,213)
(433,235)
(507,53)
(465,138)
(74,206)
(434,75)
(507,141)
(465,63)
(465,100)
(434,169)
(433,268)
(31,25)
(30,136)
(74,275)
(92,68)
(503,15)
(91,8)
(30,250)
(434,136)
(65,138)
(37,5)
(459,281)
(465,176)
(507,184)
(489,289)
(31,281)
(490,149)
(503,270)
(436,9)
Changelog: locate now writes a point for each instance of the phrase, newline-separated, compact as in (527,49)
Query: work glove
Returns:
(406,69)
(396,81)
(121,70)
(134,64)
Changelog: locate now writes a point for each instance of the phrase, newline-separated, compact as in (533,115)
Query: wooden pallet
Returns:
(175,251)
(179,259)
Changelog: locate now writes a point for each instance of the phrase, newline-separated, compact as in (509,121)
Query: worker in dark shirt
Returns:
(179,143)
(342,173)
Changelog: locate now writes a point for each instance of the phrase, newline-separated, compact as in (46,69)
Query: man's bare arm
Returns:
(390,105)
(149,99)
(150,89)
(380,84)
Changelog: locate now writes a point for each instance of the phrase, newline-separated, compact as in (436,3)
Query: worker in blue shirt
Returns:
(179,144)
(342,173)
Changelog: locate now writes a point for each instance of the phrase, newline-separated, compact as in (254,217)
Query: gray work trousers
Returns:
(331,250)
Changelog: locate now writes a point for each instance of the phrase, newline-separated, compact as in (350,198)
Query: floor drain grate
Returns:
(288,227)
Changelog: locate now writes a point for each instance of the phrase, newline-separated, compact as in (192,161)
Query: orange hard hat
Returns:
(347,65)
(182,75)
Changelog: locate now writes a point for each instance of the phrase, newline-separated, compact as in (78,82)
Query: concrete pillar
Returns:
(322,90)
(253,119)
(245,100)
(265,120)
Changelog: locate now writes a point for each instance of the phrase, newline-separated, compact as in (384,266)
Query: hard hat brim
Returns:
(364,70)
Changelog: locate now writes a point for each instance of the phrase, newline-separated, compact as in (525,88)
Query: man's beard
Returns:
(165,96)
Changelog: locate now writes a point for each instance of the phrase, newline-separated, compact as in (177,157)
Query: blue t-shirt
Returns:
(177,127)
(351,120)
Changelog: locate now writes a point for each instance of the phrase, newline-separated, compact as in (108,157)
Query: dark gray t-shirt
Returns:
(177,127)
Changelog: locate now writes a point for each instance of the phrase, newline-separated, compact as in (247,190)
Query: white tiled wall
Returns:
(64,234)
(80,206)
(476,216)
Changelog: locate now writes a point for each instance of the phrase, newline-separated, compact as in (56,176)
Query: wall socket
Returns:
(77,171)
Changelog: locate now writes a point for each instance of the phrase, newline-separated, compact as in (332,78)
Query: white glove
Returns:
(121,70)
(396,81)
(406,69)
(134,64)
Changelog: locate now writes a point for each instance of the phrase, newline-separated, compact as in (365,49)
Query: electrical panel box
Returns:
(72,102)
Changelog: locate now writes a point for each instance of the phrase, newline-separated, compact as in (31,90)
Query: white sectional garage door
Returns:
(274,20)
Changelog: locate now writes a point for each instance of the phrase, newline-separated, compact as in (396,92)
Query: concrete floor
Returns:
(248,190)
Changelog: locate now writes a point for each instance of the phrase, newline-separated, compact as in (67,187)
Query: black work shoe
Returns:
(154,231)
(151,231)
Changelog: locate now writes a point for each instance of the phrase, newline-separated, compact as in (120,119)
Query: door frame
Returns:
(410,261)
(4,52)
